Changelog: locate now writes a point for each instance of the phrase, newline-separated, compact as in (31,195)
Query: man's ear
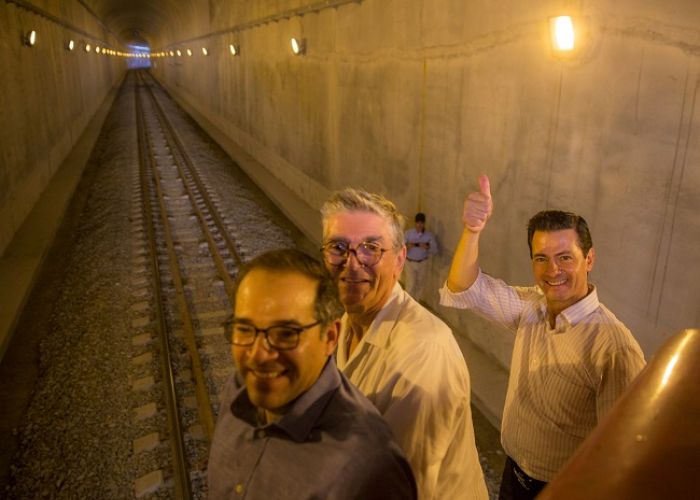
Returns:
(400,261)
(590,259)
(331,336)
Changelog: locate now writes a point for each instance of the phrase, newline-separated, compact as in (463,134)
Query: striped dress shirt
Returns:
(562,379)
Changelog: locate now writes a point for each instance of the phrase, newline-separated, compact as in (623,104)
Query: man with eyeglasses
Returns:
(403,358)
(290,424)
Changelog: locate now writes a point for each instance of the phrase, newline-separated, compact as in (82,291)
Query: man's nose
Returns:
(261,349)
(552,266)
(353,261)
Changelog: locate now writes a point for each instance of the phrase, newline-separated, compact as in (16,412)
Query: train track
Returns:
(186,258)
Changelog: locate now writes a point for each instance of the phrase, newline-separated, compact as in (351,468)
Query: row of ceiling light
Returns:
(297,45)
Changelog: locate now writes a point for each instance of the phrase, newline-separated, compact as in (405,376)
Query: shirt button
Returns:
(239,488)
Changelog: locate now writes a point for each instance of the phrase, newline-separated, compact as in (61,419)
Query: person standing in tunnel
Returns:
(290,424)
(572,358)
(403,358)
(421,245)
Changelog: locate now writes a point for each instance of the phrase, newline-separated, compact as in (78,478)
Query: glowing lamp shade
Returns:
(205,51)
(563,35)
(70,45)
(298,46)
(179,53)
(189,52)
(234,49)
(30,38)
(97,49)
(87,47)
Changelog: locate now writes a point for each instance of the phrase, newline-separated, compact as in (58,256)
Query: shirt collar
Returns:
(303,412)
(575,312)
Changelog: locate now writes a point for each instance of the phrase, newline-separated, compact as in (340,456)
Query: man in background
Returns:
(420,246)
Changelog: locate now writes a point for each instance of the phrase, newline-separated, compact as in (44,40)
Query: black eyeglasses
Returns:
(283,337)
(367,253)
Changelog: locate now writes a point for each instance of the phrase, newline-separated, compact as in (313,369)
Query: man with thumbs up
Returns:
(572,357)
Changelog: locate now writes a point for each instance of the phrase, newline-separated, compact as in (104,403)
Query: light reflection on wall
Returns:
(139,62)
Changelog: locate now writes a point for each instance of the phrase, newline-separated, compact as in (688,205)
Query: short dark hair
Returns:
(420,217)
(327,306)
(556,220)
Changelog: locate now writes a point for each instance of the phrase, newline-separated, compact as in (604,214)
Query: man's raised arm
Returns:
(477,210)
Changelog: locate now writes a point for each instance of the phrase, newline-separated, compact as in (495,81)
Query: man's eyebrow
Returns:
(341,239)
(279,322)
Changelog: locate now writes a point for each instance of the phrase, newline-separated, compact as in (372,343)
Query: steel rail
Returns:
(201,389)
(181,469)
(199,187)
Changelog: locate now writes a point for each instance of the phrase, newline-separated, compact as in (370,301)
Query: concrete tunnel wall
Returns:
(48,95)
(415,98)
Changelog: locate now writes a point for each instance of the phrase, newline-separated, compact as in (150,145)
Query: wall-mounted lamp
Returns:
(298,46)
(178,52)
(87,47)
(70,45)
(189,52)
(235,49)
(172,53)
(97,49)
(205,51)
(30,38)
(563,35)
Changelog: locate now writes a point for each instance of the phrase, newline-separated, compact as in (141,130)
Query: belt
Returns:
(411,260)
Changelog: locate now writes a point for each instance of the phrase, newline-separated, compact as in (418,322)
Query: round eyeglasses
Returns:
(367,253)
(282,337)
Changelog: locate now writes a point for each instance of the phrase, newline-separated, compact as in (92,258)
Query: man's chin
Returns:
(354,308)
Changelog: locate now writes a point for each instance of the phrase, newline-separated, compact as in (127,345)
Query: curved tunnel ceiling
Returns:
(149,22)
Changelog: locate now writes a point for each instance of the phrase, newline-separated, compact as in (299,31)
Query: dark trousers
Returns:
(516,485)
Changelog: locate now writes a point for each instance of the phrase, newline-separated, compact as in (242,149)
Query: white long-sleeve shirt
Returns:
(562,379)
(410,366)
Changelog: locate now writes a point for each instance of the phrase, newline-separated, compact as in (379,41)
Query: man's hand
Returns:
(478,207)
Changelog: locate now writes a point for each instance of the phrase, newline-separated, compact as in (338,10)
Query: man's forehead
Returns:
(557,238)
(356,226)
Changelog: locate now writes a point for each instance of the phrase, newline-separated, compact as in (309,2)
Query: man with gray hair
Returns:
(403,358)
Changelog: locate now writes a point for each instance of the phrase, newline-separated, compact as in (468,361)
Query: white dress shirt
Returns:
(410,366)
(562,380)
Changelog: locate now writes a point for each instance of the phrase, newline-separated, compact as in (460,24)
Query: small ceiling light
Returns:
(563,35)
(87,47)
(205,51)
(70,45)
(179,53)
(30,38)
(189,52)
(298,46)
(235,50)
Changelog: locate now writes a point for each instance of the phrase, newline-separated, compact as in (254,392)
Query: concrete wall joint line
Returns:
(652,30)
(676,184)
(299,11)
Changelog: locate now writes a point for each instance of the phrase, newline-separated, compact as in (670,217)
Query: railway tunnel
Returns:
(410,99)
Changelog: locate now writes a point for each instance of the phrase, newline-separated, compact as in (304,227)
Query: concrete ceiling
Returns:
(149,22)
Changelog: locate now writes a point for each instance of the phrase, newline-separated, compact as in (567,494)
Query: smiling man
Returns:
(290,424)
(572,357)
(403,358)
